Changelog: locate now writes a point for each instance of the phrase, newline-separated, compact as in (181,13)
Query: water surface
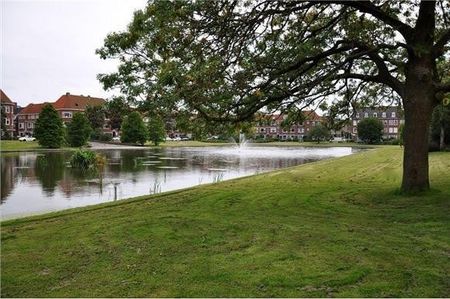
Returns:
(34,183)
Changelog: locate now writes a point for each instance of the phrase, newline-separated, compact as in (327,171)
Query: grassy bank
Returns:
(15,145)
(330,228)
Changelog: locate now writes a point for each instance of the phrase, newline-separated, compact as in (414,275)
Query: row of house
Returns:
(270,126)
(21,121)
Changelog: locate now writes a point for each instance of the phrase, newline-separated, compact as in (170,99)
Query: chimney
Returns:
(67,93)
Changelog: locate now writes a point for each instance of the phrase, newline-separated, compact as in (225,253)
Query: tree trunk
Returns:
(418,104)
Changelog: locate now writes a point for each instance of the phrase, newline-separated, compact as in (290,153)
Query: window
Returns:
(273,130)
(355,122)
(30,125)
(366,114)
(21,125)
(383,115)
(391,130)
(357,115)
(354,130)
(375,114)
(301,130)
(7,121)
(67,114)
(7,109)
(393,114)
(262,130)
(395,130)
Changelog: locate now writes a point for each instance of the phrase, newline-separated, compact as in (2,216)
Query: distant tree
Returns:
(4,131)
(156,129)
(116,109)
(319,133)
(78,130)
(96,117)
(49,128)
(440,126)
(370,130)
(133,129)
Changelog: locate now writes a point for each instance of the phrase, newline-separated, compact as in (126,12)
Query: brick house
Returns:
(9,107)
(390,116)
(66,106)
(269,126)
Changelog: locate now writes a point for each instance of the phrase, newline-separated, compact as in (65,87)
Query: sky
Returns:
(48,47)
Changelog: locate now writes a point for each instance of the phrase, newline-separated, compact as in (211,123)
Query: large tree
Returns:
(226,60)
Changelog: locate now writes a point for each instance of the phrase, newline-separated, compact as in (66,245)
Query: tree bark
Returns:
(418,103)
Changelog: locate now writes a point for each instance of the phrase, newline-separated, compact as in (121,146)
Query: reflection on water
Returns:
(34,183)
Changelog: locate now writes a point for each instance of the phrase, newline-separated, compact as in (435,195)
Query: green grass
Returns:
(27,146)
(15,145)
(331,228)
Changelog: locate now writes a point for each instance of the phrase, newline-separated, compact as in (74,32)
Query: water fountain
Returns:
(242,142)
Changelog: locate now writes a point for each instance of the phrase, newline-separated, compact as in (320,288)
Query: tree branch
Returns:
(375,11)
(438,48)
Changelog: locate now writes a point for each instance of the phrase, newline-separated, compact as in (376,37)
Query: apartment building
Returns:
(9,107)
(390,116)
(270,126)
(67,105)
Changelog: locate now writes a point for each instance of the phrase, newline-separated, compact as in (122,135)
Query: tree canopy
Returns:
(78,130)
(49,128)
(133,129)
(370,130)
(226,60)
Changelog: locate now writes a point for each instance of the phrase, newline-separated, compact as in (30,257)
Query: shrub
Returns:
(370,130)
(83,159)
(78,130)
(49,128)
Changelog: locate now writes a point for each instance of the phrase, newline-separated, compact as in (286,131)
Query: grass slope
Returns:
(330,228)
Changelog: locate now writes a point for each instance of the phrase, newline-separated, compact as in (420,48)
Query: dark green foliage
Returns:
(96,116)
(78,130)
(49,128)
(133,129)
(370,130)
(83,159)
(319,133)
(440,127)
(156,129)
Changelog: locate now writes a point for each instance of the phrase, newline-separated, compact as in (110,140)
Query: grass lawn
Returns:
(15,145)
(331,228)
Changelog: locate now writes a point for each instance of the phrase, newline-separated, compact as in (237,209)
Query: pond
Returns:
(39,182)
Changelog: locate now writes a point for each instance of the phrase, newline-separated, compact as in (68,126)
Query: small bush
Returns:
(105,137)
(83,159)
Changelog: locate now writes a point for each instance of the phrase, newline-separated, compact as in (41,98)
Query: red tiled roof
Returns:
(4,98)
(69,101)
(33,108)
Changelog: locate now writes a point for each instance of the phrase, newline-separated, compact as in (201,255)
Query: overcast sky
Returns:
(48,47)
